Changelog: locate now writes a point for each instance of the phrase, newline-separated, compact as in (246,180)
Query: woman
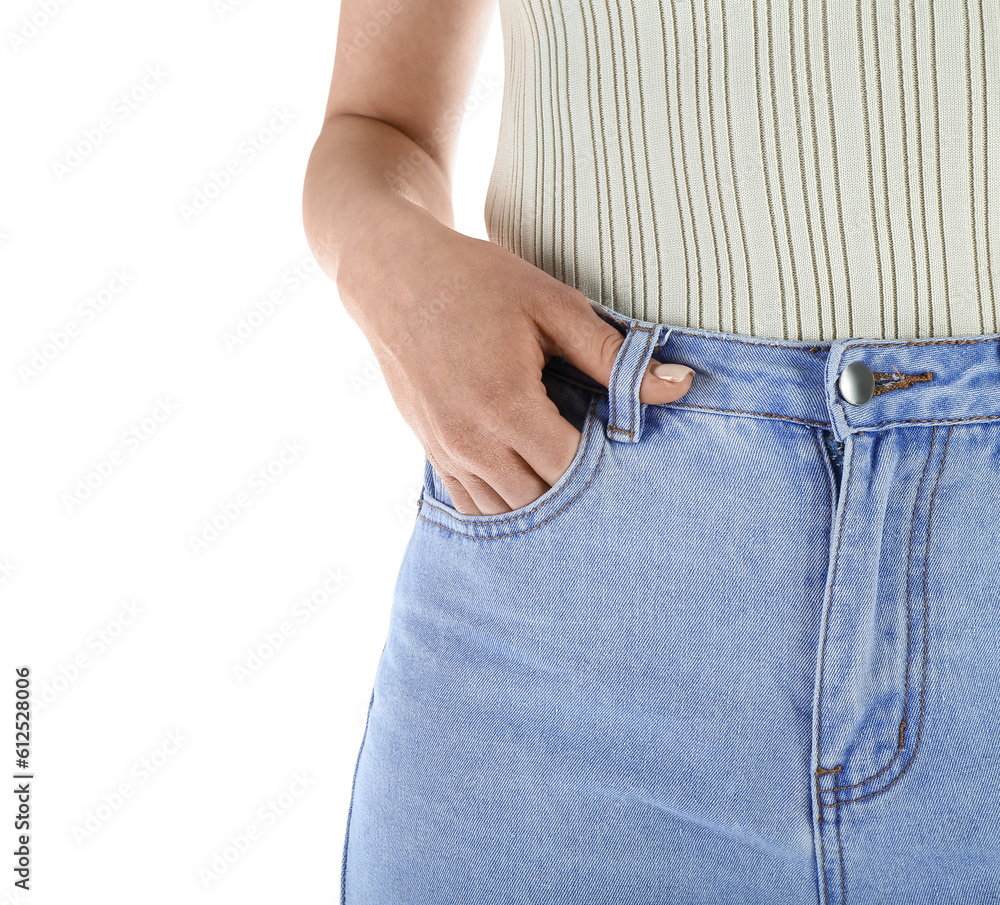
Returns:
(703,596)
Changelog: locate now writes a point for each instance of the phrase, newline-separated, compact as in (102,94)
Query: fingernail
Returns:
(673,373)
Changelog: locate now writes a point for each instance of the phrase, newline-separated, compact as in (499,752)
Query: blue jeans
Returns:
(743,651)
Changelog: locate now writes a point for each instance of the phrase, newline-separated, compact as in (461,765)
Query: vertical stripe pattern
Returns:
(789,169)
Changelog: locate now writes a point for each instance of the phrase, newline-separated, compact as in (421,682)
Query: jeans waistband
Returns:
(917,381)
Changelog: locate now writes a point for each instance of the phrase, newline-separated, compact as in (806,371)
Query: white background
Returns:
(134,637)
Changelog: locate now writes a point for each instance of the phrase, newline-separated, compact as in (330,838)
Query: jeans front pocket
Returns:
(620,420)
(436,506)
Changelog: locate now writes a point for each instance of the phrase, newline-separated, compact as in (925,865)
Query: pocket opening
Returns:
(435,507)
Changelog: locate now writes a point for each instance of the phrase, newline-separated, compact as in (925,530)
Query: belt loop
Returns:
(625,412)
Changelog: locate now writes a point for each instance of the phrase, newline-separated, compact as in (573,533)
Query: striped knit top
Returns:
(794,169)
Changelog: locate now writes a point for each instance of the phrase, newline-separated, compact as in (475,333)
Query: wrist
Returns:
(390,238)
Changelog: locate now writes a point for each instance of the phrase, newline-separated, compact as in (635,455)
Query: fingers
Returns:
(590,343)
(503,459)
(513,486)
(514,477)
(550,443)
(479,499)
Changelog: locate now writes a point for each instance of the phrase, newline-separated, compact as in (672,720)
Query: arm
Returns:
(436,305)
(390,134)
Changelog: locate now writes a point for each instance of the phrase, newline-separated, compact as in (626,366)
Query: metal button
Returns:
(857,383)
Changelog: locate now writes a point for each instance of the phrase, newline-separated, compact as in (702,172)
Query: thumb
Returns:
(590,343)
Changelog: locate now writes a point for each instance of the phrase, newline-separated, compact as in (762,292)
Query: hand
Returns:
(462,328)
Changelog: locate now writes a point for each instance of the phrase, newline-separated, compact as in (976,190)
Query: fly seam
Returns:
(923,686)
(822,657)
(822,855)
(906,684)
(829,480)
(840,849)
(824,456)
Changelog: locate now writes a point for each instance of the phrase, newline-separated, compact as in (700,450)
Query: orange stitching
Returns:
(923,685)
(827,424)
(878,390)
(900,381)
(906,683)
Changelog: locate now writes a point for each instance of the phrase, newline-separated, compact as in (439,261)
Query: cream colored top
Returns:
(781,168)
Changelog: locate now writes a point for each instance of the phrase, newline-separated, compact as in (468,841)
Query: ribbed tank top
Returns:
(781,168)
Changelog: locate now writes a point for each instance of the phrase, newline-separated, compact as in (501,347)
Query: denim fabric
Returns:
(713,663)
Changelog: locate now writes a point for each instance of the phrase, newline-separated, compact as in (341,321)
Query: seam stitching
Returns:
(898,381)
(906,683)
(822,855)
(434,504)
(923,685)
(923,420)
(840,851)
(613,379)
(519,515)
(709,408)
(928,342)
(637,373)
(822,656)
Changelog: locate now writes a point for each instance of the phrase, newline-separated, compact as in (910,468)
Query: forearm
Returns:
(362,172)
